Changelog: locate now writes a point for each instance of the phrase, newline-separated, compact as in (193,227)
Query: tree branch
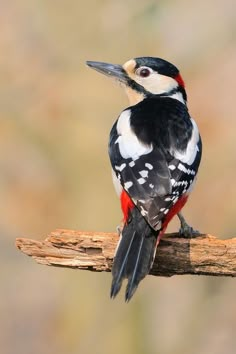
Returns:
(94,251)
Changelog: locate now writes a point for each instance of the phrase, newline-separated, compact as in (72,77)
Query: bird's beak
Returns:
(111,70)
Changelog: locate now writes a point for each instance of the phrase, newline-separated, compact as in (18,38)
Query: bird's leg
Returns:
(119,230)
(186,230)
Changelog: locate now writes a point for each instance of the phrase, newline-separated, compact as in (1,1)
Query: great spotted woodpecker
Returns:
(155,151)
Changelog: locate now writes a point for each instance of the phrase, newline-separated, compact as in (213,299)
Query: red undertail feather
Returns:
(126,205)
(180,80)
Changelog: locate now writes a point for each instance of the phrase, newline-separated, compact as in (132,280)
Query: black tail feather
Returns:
(118,270)
(132,282)
(134,255)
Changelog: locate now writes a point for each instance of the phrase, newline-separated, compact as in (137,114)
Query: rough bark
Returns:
(94,251)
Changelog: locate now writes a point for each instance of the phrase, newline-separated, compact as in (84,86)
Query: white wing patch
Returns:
(188,156)
(129,145)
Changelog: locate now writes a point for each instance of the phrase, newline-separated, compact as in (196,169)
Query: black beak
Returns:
(111,70)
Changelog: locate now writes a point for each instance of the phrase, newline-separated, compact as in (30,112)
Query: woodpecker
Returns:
(155,150)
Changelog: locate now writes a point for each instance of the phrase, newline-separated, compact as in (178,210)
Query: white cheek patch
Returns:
(129,145)
(156,83)
(188,156)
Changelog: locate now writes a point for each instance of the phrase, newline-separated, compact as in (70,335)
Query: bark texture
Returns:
(94,251)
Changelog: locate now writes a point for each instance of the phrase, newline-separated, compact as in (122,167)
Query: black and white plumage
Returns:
(155,151)
(155,162)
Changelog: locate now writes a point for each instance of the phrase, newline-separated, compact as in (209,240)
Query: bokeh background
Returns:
(55,117)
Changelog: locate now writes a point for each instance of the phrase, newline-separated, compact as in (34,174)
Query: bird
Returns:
(155,151)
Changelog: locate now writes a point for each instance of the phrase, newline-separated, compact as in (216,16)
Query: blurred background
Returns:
(55,118)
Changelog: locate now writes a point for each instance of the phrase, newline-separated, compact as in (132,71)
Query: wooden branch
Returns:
(94,251)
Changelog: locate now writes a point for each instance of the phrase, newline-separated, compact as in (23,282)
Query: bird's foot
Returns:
(186,230)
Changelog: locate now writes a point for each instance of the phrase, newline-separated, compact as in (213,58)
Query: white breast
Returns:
(129,145)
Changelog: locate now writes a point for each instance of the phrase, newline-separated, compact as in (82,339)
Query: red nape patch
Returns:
(126,204)
(174,210)
(180,81)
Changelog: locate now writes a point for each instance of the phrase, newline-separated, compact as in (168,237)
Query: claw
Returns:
(186,230)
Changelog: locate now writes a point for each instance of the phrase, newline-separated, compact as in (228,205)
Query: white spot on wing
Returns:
(143,173)
(149,166)
(182,168)
(172,181)
(128,184)
(175,200)
(121,167)
(131,164)
(141,180)
(172,167)
(168,199)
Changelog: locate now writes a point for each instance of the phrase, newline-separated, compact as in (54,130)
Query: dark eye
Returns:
(143,72)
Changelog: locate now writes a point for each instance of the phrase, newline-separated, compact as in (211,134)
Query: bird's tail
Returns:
(134,255)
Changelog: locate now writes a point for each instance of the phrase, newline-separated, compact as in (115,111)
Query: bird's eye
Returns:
(143,72)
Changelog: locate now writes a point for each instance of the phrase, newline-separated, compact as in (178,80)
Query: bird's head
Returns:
(145,77)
